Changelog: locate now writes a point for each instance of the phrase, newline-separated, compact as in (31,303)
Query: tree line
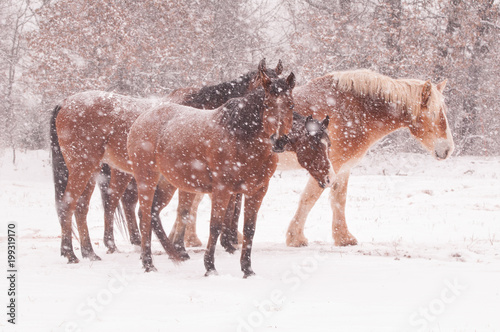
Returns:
(52,49)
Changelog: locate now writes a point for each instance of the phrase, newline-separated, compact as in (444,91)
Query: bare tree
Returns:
(17,17)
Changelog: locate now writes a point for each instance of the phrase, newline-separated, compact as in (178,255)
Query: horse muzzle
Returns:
(327,181)
(443,149)
(278,144)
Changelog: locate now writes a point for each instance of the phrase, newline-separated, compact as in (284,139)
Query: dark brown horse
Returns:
(223,152)
(91,128)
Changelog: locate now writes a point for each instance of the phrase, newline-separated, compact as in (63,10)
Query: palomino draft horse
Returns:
(91,128)
(364,107)
(223,152)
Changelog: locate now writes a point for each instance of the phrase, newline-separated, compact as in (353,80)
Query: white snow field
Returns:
(428,258)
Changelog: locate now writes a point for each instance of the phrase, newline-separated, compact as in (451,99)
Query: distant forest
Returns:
(52,49)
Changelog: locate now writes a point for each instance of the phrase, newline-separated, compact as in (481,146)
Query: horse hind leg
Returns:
(78,179)
(220,202)
(338,196)
(129,202)
(81,211)
(188,202)
(162,196)
(117,185)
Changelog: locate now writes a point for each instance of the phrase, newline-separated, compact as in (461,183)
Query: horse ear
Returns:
(262,65)
(291,80)
(279,68)
(441,86)
(426,93)
(266,81)
(325,122)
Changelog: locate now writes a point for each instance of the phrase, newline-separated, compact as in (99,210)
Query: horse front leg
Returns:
(338,197)
(295,234)
(220,202)
(252,206)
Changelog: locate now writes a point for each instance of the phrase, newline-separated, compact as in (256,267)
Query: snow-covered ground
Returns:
(428,258)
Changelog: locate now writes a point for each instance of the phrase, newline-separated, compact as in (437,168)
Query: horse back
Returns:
(95,124)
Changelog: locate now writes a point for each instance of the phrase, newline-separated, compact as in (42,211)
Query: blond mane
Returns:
(406,93)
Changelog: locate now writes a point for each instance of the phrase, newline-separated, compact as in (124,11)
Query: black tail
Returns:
(59,169)
(119,217)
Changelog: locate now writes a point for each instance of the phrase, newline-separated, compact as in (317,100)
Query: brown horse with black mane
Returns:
(91,128)
(223,152)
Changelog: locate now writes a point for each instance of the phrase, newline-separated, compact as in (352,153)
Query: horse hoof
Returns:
(90,254)
(296,241)
(345,241)
(211,273)
(94,257)
(230,249)
(73,260)
(150,269)
(136,241)
(112,250)
(184,256)
(248,274)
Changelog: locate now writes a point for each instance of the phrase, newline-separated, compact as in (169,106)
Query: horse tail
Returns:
(104,180)
(59,168)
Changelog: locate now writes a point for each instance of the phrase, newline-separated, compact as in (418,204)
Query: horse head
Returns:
(278,100)
(256,81)
(310,142)
(430,125)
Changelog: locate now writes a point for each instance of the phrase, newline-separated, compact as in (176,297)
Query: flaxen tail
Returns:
(59,169)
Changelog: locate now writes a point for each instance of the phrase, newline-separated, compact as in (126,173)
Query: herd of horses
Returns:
(227,140)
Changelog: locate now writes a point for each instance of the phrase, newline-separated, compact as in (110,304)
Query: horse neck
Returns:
(211,97)
(355,123)
(243,117)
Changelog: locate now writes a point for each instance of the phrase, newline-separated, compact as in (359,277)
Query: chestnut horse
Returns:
(223,152)
(364,107)
(91,128)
